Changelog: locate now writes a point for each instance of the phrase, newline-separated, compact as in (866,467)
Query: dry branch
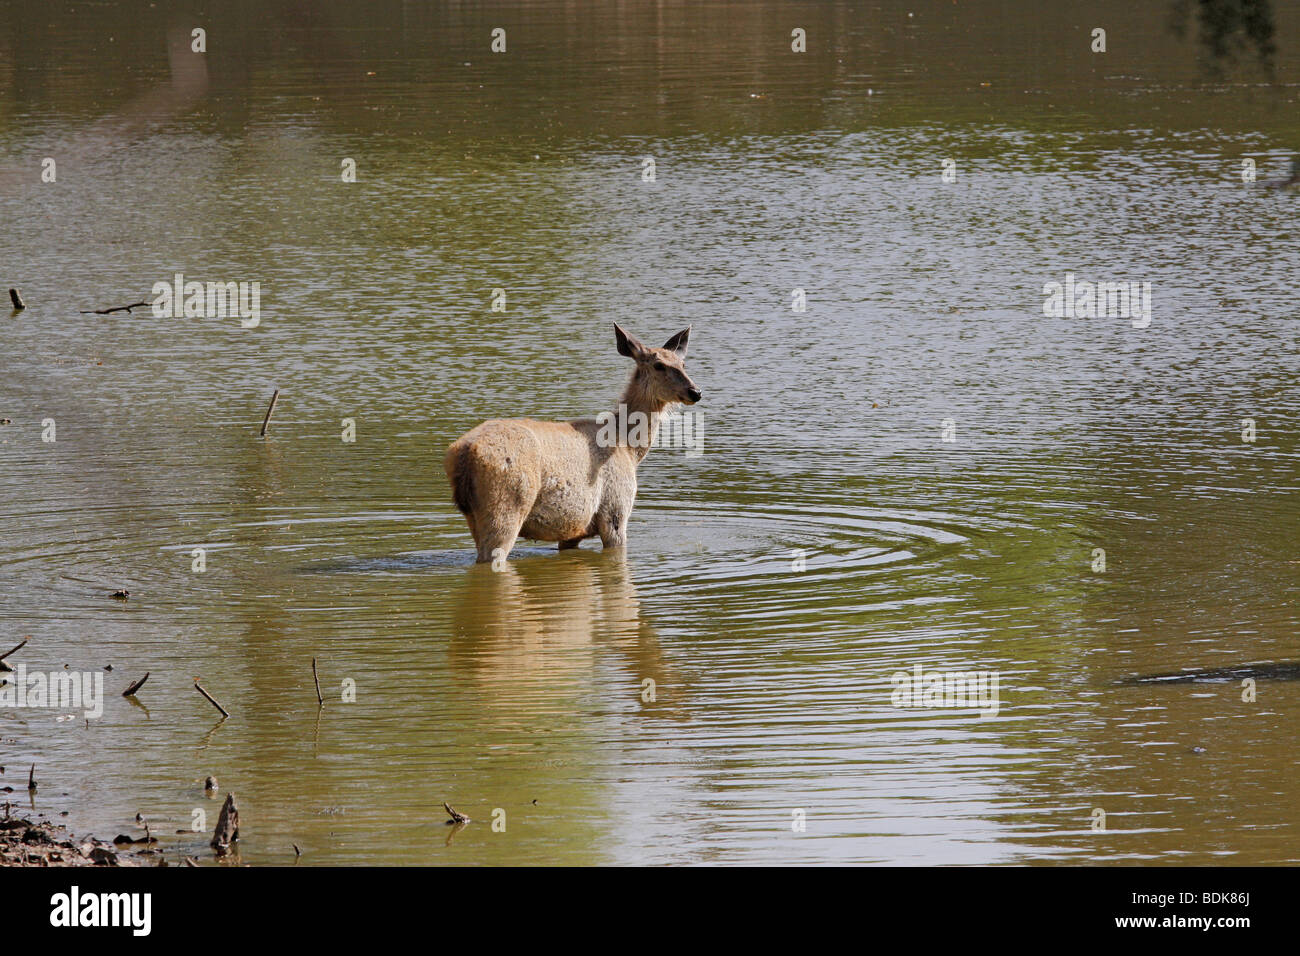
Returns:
(270,408)
(211,699)
(3,665)
(118,308)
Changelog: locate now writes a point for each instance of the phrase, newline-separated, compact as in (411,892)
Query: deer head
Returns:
(660,373)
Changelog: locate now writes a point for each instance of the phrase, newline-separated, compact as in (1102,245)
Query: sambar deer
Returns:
(566,481)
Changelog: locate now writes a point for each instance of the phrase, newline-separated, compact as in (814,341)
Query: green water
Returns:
(524,691)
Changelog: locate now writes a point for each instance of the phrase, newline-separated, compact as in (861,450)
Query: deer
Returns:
(567,481)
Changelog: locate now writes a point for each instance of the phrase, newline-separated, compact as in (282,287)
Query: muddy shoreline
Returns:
(34,841)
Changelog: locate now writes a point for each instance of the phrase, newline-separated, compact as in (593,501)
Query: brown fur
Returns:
(560,481)
(462,485)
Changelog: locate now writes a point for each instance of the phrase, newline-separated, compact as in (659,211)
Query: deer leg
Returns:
(612,531)
(498,534)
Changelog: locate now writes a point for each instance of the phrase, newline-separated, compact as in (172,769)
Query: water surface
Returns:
(826,538)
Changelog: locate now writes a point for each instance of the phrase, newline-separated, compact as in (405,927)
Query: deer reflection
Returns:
(545,624)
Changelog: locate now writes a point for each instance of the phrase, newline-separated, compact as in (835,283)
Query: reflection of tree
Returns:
(1228,29)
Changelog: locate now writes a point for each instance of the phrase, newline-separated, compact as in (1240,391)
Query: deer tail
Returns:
(462,479)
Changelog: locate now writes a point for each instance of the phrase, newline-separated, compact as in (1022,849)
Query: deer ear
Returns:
(678,342)
(629,344)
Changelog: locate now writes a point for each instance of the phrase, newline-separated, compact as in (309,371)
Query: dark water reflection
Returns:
(679,703)
(1229,30)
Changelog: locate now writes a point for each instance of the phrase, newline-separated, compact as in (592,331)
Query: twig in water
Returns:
(3,665)
(320,701)
(130,691)
(456,815)
(270,408)
(31,779)
(120,308)
(211,699)
(17,300)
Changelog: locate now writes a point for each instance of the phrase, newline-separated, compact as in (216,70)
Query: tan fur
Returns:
(553,481)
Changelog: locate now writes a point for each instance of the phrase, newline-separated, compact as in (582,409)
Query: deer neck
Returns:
(638,418)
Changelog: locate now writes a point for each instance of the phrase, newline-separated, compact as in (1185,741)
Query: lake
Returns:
(906,466)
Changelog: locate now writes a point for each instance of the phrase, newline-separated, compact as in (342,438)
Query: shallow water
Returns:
(827,537)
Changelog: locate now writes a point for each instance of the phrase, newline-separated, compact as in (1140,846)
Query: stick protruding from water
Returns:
(3,665)
(17,300)
(320,701)
(212,700)
(227,831)
(270,408)
(135,686)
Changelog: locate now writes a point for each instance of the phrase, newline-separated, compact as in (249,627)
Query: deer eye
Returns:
(659,366)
